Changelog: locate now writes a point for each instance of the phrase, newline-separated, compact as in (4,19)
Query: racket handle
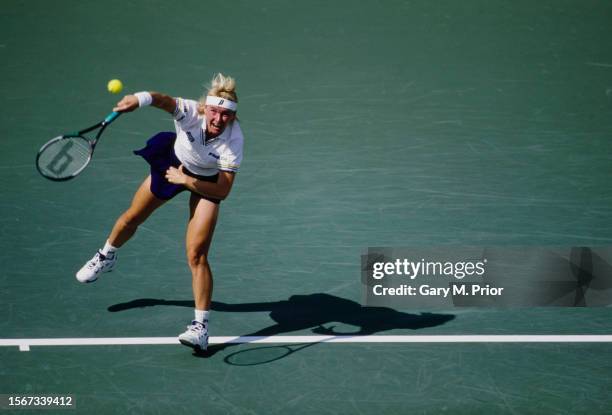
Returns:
(111,117)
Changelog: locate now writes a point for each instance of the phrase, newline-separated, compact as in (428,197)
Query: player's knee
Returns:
(196,258)
(131,219)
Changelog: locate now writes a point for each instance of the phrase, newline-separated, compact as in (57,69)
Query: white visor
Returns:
(221,102)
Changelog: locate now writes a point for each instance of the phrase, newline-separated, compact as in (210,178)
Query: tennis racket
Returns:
(64,157)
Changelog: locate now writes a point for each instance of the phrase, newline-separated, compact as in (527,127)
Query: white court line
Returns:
(25,344)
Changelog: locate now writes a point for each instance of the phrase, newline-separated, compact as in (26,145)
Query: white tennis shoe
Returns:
(97,265)
(196,336)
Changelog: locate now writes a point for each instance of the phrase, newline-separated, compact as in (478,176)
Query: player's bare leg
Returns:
(143,204)
(202,221)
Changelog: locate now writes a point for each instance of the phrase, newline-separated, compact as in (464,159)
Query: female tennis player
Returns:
(203,158)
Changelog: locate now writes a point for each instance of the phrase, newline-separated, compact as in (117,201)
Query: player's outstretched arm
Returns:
(131,102)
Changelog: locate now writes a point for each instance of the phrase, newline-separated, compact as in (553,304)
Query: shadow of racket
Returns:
(264,354)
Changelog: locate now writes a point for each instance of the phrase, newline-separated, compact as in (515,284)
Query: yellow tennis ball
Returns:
(114,86)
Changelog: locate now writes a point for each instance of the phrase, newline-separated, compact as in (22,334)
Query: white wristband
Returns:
(144,98)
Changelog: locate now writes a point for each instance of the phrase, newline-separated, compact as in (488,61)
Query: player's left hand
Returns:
(176,176)
(127,104)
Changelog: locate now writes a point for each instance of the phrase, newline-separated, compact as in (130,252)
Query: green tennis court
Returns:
(367,124)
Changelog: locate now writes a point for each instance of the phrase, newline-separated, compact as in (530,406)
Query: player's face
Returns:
(217,119)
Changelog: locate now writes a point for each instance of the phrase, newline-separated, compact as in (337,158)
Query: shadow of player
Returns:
(312,311)
(317,312)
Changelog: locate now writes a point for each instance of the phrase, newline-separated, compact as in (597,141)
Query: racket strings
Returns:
(64,157)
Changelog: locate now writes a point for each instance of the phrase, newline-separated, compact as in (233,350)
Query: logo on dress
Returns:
(190,137)
(214,155)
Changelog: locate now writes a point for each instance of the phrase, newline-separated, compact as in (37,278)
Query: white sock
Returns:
(108,249)
(202,316)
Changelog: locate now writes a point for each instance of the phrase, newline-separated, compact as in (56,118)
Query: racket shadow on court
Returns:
(318,312)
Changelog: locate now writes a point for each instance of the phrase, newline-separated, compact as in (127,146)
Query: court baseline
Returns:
(25,344)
